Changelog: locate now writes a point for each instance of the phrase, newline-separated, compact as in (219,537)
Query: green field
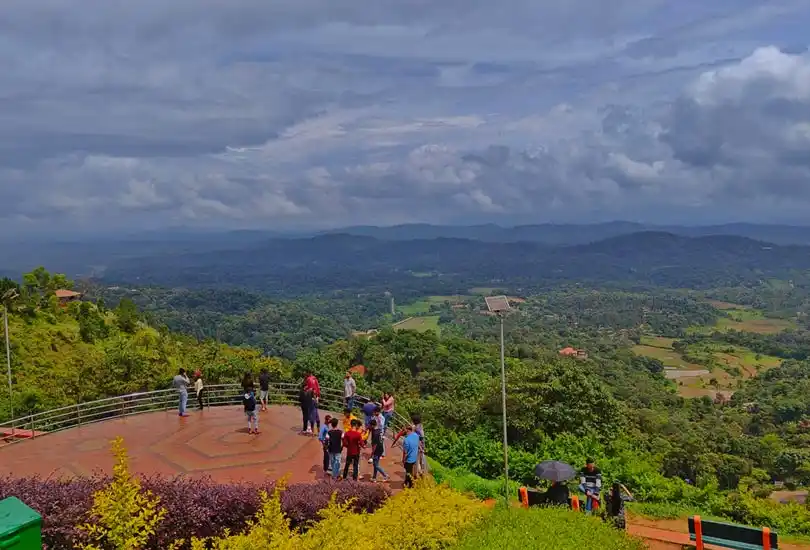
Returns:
(423,306)
(483,290)
(726,363)
(421,324)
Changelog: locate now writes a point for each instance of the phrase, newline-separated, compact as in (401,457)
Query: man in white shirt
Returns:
(180,383)
(349,390)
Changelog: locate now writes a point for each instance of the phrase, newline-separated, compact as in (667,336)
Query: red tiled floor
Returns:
(213,442)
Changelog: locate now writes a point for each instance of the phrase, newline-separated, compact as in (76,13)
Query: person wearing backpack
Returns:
(249,402)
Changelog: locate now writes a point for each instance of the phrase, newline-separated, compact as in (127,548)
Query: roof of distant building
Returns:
(568,351)
(62,293)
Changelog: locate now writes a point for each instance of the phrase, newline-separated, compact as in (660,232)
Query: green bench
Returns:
(728,535)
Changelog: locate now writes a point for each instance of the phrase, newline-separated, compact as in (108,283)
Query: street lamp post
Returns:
(7,297)
(499,305)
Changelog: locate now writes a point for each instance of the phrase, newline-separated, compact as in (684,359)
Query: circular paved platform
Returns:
(213,442)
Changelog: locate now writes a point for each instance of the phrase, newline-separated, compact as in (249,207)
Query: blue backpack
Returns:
(249,401)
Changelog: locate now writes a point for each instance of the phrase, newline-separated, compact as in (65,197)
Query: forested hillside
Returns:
(67,353)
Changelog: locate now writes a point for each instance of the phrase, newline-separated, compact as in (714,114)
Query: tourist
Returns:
(556,495)
(334,444)
(352,442)
(349,390)
(348,418)
(422,467)
(181,383)
(322,432)
(311,383)
(388,403)
(410,454)
(249,402)
(379,422)
(590,483)
(368,412)
(264,387)
(247,383)
(198,388)
(305,399)
(377,451)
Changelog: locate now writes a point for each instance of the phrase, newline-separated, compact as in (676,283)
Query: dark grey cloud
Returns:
(249,113)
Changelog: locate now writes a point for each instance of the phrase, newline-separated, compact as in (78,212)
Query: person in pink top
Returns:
(388,404)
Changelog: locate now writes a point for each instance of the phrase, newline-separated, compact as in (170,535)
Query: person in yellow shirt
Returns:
(347,420)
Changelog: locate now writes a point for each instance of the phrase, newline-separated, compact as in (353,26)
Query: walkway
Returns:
(213,443)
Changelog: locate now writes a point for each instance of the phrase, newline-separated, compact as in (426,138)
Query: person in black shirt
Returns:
(306,399)
(247,383)
(264,387)
(556,495)
(377,450)
(334,445)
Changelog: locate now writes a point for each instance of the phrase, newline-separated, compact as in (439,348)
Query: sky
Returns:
(291,114)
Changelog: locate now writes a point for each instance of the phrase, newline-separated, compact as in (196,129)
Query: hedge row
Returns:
(194,507)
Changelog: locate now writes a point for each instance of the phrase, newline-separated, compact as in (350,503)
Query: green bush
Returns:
(556,528)
(465,482)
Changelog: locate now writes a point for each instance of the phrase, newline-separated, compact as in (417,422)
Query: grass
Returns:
(467,482)
(726,364)
(552,528)
(483,290)
(420,324)
(423,306)
(660,348)
(719,304)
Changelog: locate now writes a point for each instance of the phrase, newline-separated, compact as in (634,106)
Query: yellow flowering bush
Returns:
(123,515)
(427,517)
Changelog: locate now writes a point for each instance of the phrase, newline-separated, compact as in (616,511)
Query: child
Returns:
(352,442)
(348,418)
(322,438)
(249,401)
(334,445)
(377,450)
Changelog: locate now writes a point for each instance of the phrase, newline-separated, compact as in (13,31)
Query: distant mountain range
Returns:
(570,234)
(607,251)
(357,263)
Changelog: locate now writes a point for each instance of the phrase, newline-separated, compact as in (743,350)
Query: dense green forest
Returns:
(615,403)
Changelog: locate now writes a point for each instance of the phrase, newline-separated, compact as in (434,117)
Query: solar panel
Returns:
(497,304)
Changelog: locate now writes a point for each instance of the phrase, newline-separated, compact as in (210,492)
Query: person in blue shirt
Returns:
(322,438)
(410,454)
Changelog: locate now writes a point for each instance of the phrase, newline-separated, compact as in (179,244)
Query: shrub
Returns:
(555,528)
(466,482)
(123,516)
(427,517)
(194,507)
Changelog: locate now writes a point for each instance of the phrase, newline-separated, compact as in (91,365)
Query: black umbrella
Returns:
(554,470)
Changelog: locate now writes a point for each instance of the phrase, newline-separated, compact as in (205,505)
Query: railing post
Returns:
(698,534)
(31,425)
(79,414)
(766,538)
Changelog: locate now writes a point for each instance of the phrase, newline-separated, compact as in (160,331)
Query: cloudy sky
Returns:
(117,114)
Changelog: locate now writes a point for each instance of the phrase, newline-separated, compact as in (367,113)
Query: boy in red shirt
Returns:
(353,442)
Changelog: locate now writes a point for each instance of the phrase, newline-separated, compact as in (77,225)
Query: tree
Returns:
(127,315)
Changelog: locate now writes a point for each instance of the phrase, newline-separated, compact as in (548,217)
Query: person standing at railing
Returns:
(198,388)
(247,383)
(388,404)
(264,387)
(349,390)
(181,383)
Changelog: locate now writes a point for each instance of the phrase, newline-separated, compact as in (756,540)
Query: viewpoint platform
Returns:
(210,443)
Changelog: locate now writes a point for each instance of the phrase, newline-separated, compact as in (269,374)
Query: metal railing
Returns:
(40,424)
